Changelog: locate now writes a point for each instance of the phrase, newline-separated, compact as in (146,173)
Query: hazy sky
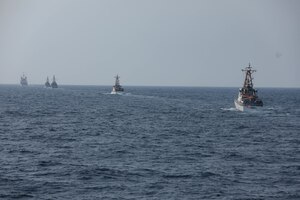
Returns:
(150,42)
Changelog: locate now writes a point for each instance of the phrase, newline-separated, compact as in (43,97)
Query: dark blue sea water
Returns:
(80,142)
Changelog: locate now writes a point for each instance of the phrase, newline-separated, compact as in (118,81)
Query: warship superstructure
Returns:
(247,97)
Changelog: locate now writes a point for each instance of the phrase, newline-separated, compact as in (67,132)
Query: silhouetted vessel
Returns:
(117,88)
(47,84)
(247,97)
(54,84)
(23,80)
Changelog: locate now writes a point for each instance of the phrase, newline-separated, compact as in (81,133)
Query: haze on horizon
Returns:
(157,42)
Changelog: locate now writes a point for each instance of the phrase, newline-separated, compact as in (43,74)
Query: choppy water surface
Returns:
(150,143)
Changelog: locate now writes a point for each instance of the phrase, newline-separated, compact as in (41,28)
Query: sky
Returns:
(150,42)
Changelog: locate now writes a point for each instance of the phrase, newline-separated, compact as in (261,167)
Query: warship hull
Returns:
(244,107)
(239,106)
(54,85)
(24,84)
(114,91)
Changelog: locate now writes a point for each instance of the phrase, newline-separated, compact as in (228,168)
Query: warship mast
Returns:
(117,83)
(248,78)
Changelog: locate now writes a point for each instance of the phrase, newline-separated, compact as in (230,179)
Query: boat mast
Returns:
(248,78)
(117,80)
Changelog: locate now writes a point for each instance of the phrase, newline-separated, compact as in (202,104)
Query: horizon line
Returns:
(187,86)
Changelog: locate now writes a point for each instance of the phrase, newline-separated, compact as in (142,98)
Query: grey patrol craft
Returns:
(23,80)
(117,88)
(47,84)
(247,97)
(54,84)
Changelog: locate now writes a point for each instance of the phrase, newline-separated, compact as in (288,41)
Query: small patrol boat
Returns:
(117,88)
(47,84)
(23,80)
(54,84)
(247,97)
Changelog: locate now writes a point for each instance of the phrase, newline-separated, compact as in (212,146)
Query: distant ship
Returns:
(247,97)
(24,81)
(117,88)
(47,84)
(54,84)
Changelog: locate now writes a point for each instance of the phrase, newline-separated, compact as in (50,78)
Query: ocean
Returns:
(81,142)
